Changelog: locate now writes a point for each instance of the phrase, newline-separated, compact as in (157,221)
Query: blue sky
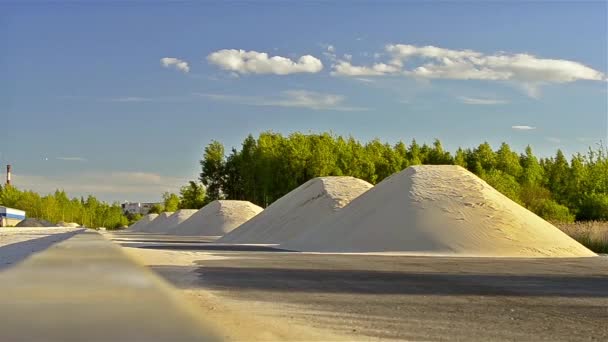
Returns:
(118,99)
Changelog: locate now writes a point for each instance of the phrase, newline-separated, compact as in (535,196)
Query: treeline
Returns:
(57,207)
(266,168)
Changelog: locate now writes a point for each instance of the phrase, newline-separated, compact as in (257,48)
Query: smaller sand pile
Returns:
(177,218)
(159,224)
(33,222)
(300,209)
(217,218)
(144,221)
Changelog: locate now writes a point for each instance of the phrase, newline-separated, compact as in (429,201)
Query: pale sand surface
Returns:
(436,210)
(158,225)
(16,244)
(216,218)
(235,320)
(176,219)
(144,221)
(298,210)
(296,296)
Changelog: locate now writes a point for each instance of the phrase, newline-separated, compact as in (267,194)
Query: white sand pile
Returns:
(438,210)
(217,218)
(144,221)
(159,224)
(299,210)
(176,219)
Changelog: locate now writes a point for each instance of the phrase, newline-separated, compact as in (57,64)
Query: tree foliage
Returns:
(266,168)
(56,207)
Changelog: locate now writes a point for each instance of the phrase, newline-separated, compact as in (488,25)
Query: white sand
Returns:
(437,210)
(158,225)
(177,218)
(299,210)
(17,243)
(217,218)
(144,221)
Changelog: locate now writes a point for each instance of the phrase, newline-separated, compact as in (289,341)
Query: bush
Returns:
(504,183)
(552,211)
(594,207)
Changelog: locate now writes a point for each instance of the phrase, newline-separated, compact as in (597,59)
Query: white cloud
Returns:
(176,63)
(363,79)
(523,128)
(78,159)
(131,99)
(291,98)
(253,62)
(439,63)
(480,101)
(331,48)
(553,140)
(108,186)
(345,68)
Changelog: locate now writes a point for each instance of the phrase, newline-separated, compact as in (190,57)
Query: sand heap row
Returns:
(437,210)
(299,210)
(216,219)
(423,210)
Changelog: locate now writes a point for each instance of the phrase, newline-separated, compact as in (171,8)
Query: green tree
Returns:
(192,196)
(213,170)
(170,201)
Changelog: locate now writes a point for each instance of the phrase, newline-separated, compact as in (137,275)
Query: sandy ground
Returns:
(236,320)
(258,295)
(16,244)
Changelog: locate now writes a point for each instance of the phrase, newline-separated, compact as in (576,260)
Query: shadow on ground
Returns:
(16,252)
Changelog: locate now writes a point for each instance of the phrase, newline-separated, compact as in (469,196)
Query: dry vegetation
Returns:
(593,234)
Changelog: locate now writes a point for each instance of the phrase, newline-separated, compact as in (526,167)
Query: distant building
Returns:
(10,216)
(137,207)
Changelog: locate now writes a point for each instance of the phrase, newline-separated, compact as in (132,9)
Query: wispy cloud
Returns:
(253,62)
(523,128)
(553,140)
(77,159)
(432,62)
(291,98)
(365,80)
(178,64)
(131,99)
(481,101)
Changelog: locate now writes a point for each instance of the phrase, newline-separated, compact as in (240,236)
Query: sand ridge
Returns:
(437,209)
(298,210)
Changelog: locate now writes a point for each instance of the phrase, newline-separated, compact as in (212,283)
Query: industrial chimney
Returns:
(8,175)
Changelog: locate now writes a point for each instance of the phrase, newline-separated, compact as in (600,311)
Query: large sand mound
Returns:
(438,210)
(217,218)
(296,212)
(144,221)
(159,224)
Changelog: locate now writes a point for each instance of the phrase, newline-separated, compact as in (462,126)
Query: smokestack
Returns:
(8,175)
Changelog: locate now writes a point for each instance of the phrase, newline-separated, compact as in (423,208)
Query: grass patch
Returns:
(592,234)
